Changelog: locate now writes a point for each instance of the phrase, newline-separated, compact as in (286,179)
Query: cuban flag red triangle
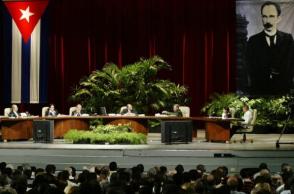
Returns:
(26,14)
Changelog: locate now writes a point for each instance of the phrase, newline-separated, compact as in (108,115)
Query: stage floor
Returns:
(260,142)
(235,155)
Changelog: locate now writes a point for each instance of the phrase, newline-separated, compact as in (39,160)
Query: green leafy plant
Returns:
(136,83)
(219,101)
(103,134)
(271,111)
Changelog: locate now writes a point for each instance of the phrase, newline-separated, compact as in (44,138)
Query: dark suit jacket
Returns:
(178,113)
(262,61)
(75,112)
(125,111)
(12,114)
(51,114)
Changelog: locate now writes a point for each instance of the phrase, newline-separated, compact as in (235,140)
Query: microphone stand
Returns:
(284,129)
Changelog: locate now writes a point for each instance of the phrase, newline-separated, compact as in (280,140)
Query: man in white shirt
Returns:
(247,117)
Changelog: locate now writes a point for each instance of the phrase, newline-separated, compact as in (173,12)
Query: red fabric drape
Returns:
(196,37)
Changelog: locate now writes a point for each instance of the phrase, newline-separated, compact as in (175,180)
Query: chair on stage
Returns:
(44,110)
(185,111)
(71,110)
(122,109)
(7,111)
(249,128)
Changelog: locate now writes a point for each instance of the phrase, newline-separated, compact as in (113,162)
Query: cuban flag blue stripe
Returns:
(7,33)
(44,58)
(25,72)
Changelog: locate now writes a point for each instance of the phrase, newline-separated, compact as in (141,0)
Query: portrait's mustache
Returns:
(268,25)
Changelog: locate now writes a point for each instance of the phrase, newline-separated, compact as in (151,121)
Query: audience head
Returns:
(233,183)
(113,166)
(180,169)
(264,177)
(72,171)
(209,179)
(194,175)
(284,165)
(140,167)
(163,170)
(201,168)
(50,169)
(63,175)
(104,173)
(263,166)
(224,170)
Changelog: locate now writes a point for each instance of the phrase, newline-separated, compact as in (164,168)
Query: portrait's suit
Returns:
(270,67)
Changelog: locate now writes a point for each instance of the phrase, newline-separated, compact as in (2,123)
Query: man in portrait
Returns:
(269,55)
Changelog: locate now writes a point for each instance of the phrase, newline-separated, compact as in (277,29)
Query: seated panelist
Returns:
(226,113)
(14,111)
(128,110)
(51,111)
(247,119)
(78,111)
(176,111)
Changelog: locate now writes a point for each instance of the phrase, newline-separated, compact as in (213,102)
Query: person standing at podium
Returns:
(78,111)
(14,111)
(51,111)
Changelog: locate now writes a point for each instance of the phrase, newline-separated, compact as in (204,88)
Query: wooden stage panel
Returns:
(17,129)
(63,125)
(218,131)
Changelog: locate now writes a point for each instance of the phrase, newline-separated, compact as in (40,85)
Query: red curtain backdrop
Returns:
(196,37)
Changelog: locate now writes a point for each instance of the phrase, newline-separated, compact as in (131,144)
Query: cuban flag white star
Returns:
(26,14)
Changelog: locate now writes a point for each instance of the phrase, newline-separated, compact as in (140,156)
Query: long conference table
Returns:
(217,129)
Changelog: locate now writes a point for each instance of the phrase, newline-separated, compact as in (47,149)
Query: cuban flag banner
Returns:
(25,31)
